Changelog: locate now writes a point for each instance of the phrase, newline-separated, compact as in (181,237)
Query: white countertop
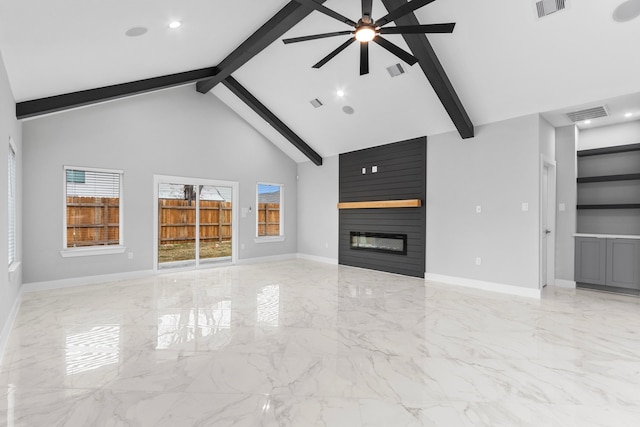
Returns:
(607,236)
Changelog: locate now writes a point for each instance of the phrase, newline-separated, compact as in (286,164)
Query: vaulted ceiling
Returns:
(502,61)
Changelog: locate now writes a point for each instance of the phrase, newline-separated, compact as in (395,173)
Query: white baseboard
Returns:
(87,280)
(271,258)
(485,286)
(324,260)
(8,326)
(569,284)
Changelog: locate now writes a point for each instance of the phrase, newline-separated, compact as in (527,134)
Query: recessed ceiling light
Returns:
(136,31)
(175,24)
(628,115)
(586,122)
(340,92)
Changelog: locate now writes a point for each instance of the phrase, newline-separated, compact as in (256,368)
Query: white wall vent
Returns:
(588,113)
(547,7)
(316,103)
(395,70)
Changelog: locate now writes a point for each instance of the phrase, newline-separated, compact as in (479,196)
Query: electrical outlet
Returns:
(478,261)
(525,207)
(130,255)
(364,171)
(478,209)
(562,207)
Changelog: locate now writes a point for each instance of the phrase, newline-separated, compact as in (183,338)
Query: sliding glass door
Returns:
(195,223)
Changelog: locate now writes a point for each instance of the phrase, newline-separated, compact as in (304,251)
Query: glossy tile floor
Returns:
(298,343)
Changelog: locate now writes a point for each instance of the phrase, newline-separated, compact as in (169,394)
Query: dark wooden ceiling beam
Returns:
(433,70)
(290,15)
(241,92)
(52,104)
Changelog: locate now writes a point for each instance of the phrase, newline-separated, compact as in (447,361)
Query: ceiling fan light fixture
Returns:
(365,34)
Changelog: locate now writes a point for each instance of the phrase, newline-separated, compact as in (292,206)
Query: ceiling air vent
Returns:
(316,103)
(588,113)
(395,70)
(547,7)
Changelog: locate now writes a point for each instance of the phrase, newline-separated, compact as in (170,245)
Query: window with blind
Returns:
(11,204)
(93,215)
(269,214)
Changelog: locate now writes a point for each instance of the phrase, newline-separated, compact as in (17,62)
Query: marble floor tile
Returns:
(304,344)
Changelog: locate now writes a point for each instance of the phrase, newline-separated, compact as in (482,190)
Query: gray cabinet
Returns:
(591,260)
(608,262)
(623,263)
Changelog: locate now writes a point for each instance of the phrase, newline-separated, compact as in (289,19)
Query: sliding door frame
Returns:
(168,179)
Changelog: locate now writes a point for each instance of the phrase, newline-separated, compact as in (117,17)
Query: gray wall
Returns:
(317,209)
(174,132)
(499,169)
(9,127)
(566,145)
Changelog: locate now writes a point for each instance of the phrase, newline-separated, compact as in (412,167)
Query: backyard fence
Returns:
(177,221)
(93,221)
(268,219)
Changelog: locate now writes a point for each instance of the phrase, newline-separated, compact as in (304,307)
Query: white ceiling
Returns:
(503,61)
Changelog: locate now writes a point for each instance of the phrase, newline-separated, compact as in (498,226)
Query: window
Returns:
(93,210)
(269,217)
(11,204)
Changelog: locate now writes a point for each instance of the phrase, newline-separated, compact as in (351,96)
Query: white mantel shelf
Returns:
(607,236)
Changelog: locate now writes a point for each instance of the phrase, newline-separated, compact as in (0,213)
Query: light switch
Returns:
(374,169)
(478,209)
(364,171)
(562,207)
(525,207)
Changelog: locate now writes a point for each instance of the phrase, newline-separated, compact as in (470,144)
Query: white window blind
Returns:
(92,200)
(11,204)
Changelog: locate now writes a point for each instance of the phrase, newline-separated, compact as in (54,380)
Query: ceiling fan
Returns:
(367,29)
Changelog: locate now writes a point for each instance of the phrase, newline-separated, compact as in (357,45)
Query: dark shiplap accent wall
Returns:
(402,174)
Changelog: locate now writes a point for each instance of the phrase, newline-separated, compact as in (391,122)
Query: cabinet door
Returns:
(591,259)
(623,263)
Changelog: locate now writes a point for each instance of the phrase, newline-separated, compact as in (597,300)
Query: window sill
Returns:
(269,239)
(102,250)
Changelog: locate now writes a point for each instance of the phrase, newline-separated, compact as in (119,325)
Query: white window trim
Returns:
(270,239)
(92,250)
(13,266)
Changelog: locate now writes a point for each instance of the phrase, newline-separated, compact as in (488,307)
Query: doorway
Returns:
(195,222)
(547,223)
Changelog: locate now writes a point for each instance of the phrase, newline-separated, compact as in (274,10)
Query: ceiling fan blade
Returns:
(329,57)
(316,36)
(419,29)
(399,12)
(367,5)
(327,11)
(397,51)
(364,58)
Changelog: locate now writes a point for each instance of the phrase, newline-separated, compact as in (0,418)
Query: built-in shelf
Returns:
(381,204)
(608,178)
(609,150)
(611,206)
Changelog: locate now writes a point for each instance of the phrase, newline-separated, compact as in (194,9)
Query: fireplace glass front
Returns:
(379,242)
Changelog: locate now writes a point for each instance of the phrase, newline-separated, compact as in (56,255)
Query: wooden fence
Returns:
(268,219)
(95,221)
(92,221)
(177,221)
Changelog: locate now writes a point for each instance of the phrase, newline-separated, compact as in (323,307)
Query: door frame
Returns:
(169,179)
(549,251)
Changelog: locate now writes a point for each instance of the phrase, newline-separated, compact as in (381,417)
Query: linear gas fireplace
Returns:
(379,242)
